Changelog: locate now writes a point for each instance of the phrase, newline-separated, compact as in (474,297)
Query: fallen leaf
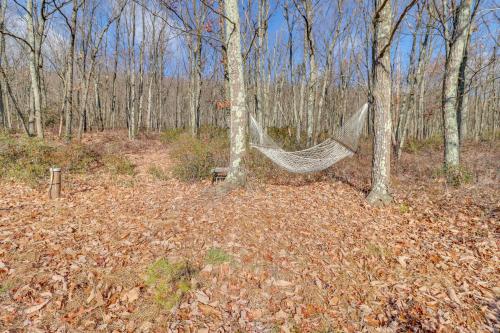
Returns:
(282,283)
(37,307)
(132,295)
(209,310)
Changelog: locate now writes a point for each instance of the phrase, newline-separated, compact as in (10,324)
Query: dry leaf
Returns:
(209,310)
(282,283)
(37,307)
(131,296)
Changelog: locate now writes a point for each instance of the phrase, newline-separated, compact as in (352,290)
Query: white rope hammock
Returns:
(344,143)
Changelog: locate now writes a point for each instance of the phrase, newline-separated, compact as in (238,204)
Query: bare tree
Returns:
(36,19)
(132,77)
(4,104)
(90,55)
(306,10)
(70,64)
(328,66)
(411,81)
(456,38)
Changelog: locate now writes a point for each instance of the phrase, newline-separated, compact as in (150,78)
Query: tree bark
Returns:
(381,99)
(236,175)
(463,95)
(20,115)
(4,104)
(409,103)
(328,69)
(132,119)
(70,74)
(456,49)
(313,71)
(34,64)
(115,72)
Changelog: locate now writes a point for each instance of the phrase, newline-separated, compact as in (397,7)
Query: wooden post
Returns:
(55,183)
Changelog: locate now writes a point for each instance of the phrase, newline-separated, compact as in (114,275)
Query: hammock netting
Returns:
(342,144)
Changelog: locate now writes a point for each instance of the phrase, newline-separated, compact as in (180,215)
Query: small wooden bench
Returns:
(219,174)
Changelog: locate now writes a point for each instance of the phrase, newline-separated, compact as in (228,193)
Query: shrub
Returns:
(169,281)
(170,135)
(260,166)
(285,136)
(433,142)
(77,158)
(118,165)
(195,157)
(217,256)
(157,173)
(455,176)
(4,288)
(28,159)
(404,208)
(25,159)
(211,132)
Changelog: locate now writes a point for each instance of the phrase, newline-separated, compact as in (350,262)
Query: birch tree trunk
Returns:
(456,49)
(236,176)
(381,98)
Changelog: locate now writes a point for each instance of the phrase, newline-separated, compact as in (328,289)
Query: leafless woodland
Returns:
(84,73)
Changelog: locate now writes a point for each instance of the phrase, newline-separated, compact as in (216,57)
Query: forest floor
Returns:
(147,253)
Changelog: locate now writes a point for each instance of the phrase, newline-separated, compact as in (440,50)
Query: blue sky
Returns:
(325,12)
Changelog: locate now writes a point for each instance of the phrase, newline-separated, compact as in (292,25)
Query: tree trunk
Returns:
(463,95)
(302,98)
(98,106)
(150,102)
(236,176)
(34,58)
(70,74)
(141,68)
(226,87)
(328,69)
(381,99)
(313,71)
(20,115)
(450,84)
(6,117)
(409,103)
(115,72)
(31,115)
(132,118)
